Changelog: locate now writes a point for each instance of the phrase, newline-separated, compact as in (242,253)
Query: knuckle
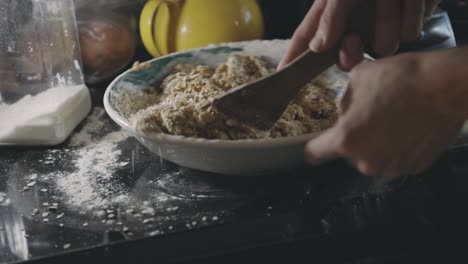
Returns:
(326,23)
(301,34)
(304,31)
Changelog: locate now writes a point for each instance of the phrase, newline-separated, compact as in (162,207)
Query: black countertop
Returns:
(175,214)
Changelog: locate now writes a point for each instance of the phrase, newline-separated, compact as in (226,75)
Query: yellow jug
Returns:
(173,25)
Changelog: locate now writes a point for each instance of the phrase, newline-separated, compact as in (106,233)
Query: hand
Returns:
(354,23)
(395,117)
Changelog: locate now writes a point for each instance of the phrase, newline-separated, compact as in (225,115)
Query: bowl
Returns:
(229,157)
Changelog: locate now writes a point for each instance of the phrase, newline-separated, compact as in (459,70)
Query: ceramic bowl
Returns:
(229,157)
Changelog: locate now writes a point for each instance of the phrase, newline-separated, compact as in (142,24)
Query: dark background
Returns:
(282,17)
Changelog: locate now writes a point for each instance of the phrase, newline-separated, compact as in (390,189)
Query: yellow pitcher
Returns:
(173,25)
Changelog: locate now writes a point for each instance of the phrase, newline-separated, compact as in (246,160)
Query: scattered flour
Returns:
(89,183)
(95,160)
(85,178)
(86,182)
(93,125)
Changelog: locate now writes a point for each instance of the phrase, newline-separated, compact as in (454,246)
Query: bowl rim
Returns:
(200,142)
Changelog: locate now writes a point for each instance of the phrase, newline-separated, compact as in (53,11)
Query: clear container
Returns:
(42,92)
(108,42)
(108,36)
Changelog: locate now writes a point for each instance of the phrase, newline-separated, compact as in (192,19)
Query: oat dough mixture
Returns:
(174,108)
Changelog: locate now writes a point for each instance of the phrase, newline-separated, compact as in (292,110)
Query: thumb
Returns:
(322,148)
(352,51)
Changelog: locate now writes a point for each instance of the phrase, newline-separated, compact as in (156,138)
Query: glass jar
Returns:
(108,36)
(42,91)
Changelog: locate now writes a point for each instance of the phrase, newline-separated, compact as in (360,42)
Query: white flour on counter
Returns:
(90,183)
(94,123)
(46,118)
(96,160)
(101,179)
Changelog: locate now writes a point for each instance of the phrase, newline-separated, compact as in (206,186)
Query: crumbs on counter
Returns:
(89,185)
(2,197)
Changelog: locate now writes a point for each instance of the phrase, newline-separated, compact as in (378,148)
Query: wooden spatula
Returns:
(261,103)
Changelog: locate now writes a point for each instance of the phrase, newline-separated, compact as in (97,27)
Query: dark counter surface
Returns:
(103,196)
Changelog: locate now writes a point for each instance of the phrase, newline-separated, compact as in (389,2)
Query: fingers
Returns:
(359,33)
(322,148)
(352,52)
(387,29)
(304,33)
(321,29)
(431,6)
(332,24)
(326,22)
(412,20)
(345,101)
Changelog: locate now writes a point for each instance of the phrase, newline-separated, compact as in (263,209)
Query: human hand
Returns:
(395,118)
(383,24)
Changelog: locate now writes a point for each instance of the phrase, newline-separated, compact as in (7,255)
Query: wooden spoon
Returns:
(261,103)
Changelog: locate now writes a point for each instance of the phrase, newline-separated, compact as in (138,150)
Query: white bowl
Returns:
(230,157)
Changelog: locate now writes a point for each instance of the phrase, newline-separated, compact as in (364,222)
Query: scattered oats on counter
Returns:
(175,108)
